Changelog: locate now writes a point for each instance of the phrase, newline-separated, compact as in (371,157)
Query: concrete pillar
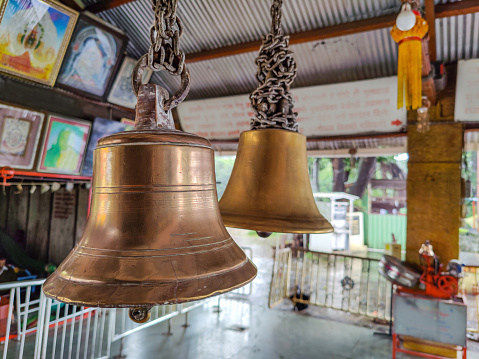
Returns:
(434,189)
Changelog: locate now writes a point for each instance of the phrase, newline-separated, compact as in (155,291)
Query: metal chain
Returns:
(272,101)
(276,16)
(164,52)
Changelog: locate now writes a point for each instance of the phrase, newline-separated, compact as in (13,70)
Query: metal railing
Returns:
(279,289)
(45,328)
(332,280)
(38,327)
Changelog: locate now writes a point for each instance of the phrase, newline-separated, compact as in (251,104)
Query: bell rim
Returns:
(262,225)
(248,265)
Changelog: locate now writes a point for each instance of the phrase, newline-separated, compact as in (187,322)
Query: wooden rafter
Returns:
(441,11)
(106,5)
(300,37)
(457,8)
(72,4)
(431,22)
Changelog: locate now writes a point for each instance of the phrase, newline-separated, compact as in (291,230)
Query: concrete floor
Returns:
(248,329)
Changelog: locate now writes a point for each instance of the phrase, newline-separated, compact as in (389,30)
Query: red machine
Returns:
(432,282)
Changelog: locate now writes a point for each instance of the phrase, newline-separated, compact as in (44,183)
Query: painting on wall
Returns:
(101,128)
(19,136)
(34,35)
(121,92)
(130,124)
(92,58)
(64,145)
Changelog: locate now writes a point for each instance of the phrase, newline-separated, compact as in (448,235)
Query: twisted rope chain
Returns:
(272,101)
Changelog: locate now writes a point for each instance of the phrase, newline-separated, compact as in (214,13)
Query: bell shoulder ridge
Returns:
(159,135)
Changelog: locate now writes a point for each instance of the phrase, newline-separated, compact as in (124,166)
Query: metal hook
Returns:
(19,189)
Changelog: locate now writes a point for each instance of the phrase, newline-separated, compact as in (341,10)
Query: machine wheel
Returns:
(447,284)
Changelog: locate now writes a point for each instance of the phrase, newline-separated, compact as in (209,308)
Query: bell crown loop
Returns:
(153,125)
(177,98)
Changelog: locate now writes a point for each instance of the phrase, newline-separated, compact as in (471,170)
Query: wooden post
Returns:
(434,189)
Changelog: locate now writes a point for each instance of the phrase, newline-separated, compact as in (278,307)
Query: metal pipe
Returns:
(25,318)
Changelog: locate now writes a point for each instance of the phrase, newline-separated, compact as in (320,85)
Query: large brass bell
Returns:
(154,234)
(269,189)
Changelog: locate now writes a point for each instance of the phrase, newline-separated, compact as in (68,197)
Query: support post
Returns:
(434,189)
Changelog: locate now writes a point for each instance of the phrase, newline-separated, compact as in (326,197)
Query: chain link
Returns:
(272,101)
(164,52)
(276,16)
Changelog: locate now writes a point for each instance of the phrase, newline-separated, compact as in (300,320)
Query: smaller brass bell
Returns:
(269,189)
(154,234)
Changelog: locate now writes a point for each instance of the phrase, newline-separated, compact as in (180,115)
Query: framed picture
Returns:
(101,128)
(34,35)
(93,57)
(130,124)
(20,132)
(121,92)
(64,145)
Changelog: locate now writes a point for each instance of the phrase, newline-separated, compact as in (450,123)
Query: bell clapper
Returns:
(264,234)
(140,314)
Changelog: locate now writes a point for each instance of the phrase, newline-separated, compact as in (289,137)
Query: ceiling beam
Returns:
(457,8)
(441,11)
(300,37)
(72,4)
(106,5)
(430,12)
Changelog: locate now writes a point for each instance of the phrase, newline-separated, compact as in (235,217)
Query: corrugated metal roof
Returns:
(348,58)
(210,24)
(457,37)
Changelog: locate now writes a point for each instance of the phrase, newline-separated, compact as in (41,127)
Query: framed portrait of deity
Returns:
(64,144)
(93,57)
(121,92)
(34,36)
(20,130)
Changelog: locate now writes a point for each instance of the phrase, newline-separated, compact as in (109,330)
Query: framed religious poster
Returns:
(93,57)
(20,130)
(34,35)
(64,145)
(121,92)
(130,124)
(101,128)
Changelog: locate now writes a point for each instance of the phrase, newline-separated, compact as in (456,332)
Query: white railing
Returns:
(59,330)
(333,280)
(38,327)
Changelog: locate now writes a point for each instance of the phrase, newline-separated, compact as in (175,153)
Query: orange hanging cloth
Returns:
(410,63)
